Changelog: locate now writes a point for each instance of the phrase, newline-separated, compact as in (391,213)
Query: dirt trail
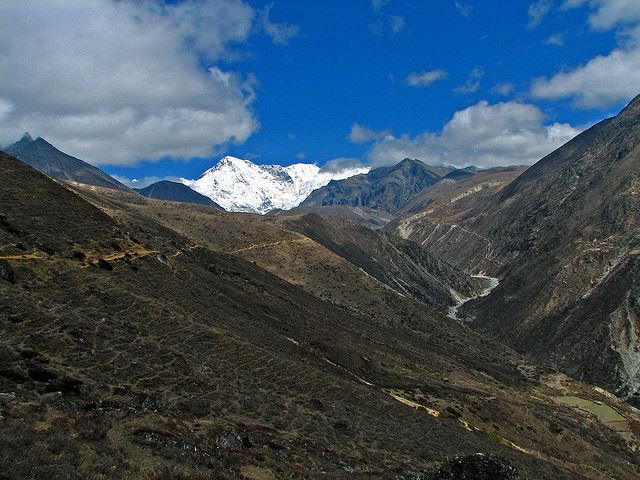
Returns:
(271,244)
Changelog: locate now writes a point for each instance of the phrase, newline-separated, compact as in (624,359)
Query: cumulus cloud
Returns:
(605,79)
(537,11)
(361,134)
(118,82)
(606,14)
(424,79)
(208,25)
(484,135)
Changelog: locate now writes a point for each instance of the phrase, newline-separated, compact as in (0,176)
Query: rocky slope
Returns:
(368,217)
(384,188)
(401,265)
(437,218)
(134,344)
(563,238)
(43,156)
(242,186)
(176,192)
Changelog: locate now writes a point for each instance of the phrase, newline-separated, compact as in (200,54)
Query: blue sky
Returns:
(459,82)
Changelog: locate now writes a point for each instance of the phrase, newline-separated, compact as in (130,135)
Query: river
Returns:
(490,282)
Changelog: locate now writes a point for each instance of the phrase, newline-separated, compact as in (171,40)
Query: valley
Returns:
(171,326)
(172,323)
(489,282)
(278,240)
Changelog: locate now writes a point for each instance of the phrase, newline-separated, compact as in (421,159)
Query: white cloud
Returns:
(6,107)
(504,89)
(556,39)
(607,14)
(396,23)
(341,164)
(378,4)
(362,134)
(537,11)
(209,25)
(117,82)
(473,82)
(280,33)
(424,79)
(464,9)
(484,135)
(605,79)
(301,155)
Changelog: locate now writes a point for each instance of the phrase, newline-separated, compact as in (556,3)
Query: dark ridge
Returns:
(43,156)
(383,188)
(176,192)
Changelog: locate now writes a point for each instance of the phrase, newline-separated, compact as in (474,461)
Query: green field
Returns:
(604,412)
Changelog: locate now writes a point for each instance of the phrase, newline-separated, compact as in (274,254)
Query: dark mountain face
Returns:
(384,188)
(365,216)
(43,156)
(564,238)
(134,351)
(460,173)
(570,225)
(176,192)
(401,265)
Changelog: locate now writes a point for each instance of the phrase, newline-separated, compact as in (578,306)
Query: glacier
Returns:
(242,186)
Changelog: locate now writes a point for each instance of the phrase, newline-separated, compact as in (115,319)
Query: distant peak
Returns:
(42,141)
(408,163)
(411,161)
(26,137)
(229,160)
(223,162)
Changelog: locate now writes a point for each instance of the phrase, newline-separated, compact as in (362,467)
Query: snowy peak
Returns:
(240,185)
(230,162)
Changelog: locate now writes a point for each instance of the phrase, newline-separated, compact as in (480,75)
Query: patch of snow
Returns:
(242,186)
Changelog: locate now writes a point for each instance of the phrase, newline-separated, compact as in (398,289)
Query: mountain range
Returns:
(370,196)
(490,319)
(383,188)
(242,186)
(182,340)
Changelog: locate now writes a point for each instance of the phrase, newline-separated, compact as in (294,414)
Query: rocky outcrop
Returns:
(477,467)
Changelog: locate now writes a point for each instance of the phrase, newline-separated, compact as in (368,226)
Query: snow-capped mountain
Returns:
(242,186)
